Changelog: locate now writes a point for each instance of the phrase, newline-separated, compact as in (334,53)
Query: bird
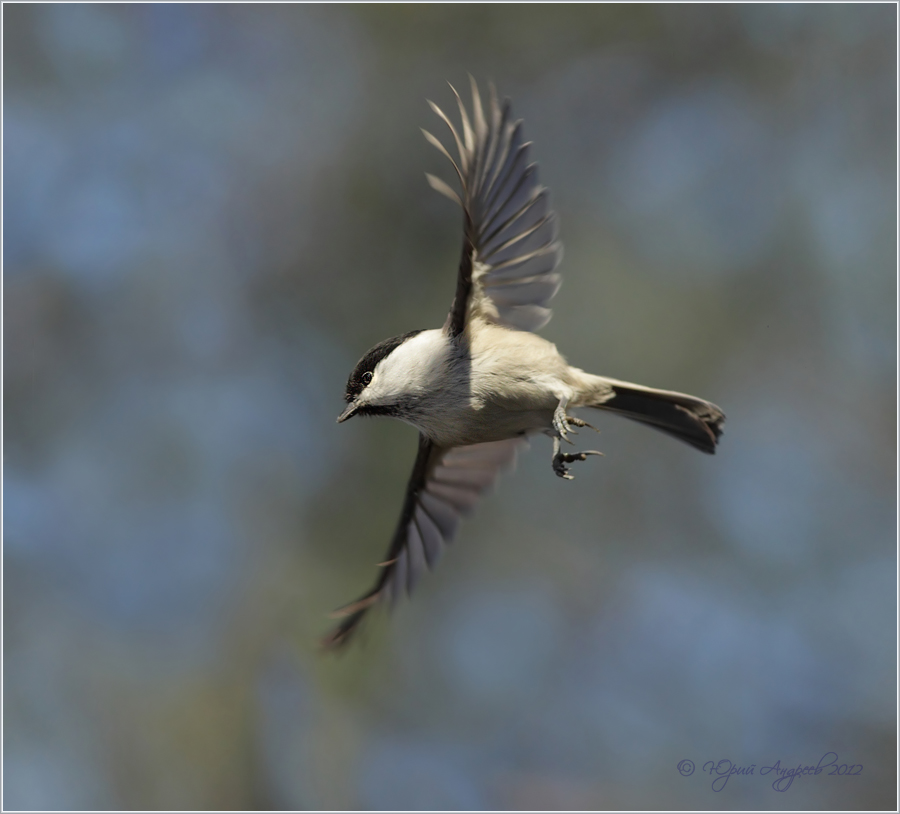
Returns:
(480,386)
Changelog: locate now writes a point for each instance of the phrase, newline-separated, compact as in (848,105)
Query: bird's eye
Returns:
(366,377)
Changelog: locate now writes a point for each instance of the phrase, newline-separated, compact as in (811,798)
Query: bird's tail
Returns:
(692,420)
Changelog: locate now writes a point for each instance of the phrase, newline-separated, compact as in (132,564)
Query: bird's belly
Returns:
(479,422)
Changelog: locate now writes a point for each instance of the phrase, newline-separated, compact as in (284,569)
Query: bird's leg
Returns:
(561,421)
(562,425)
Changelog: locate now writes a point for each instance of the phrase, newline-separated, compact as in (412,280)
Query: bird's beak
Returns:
(348,413)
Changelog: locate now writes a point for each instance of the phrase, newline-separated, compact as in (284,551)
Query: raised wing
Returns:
(510,250)
(444,486)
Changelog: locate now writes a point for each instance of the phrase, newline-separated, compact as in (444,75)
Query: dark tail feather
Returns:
(692,420)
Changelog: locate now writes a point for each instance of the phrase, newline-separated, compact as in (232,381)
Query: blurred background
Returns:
(212,211)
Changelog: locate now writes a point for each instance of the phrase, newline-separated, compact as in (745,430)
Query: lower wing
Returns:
(445,485)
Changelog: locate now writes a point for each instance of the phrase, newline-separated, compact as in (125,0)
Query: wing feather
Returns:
(510,234)
(416,549)
(441,513)
(445,485)
(441,186)
(459,145)
(398,577)
(540,288)
(432,539)
(535,212)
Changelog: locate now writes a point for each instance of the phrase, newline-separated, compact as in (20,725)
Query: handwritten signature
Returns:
(723,770)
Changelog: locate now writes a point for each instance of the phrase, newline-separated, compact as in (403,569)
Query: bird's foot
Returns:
(562,423)
(560,459)
(578,422)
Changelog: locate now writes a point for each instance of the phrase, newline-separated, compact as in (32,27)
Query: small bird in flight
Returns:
(476,388)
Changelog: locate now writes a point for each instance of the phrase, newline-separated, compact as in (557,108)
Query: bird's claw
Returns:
(560,459)
(562,426)
(579,422)
(562,423)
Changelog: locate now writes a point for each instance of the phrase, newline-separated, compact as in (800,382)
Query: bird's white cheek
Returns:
(376,394)
(373,398)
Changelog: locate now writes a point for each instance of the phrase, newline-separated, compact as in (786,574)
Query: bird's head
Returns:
(387,377)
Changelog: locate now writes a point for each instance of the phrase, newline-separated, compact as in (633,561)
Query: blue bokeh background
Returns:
(211,211)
